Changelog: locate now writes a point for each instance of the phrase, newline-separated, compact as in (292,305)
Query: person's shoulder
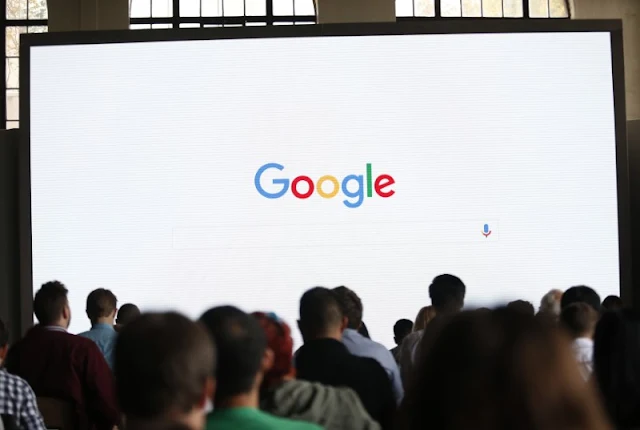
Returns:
(16,383)
(277,423)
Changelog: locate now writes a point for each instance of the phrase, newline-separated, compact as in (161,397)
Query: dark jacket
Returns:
(329,362)
(67,367)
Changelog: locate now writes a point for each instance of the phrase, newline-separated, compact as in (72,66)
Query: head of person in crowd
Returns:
(351,306)
(51,306)
(616,360)
(102,306)
(582,294)
(321,315)
(522,306)
(127,313)
(164,371)
(579,320)
(243,356)
(500,370)
(280,342)
(550,304)
(401,329)
(425,315)
(612,303)
(447,294)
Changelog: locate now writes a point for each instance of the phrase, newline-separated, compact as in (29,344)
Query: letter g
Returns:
(283,182)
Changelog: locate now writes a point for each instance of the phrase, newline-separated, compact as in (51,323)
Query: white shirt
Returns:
(583,350)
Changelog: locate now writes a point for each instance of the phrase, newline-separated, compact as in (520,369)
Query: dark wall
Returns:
(633,137)
(10,304)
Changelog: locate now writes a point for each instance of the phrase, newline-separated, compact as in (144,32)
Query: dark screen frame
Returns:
(459,26)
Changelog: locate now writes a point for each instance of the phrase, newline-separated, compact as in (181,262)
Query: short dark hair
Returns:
(582,294)
(241,343)
(447,291)
(578,319)
(162,362)
(49,302)
(351,306)
(522,306)
(4,334)
(127,313)
(402,328)
(319,311)
(100,303)
(612,303)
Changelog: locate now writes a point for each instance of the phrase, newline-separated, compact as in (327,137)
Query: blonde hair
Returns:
(550,303)
(425,315)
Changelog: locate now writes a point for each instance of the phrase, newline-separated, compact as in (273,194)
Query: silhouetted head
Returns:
(127,313)
(447,293)
(612,303)
(579,320)
(51,305)
(522,306)
(401,329)
(582,294)
(351,306)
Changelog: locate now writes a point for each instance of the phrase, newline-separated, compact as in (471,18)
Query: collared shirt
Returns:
(18,401)
(363,347)
(104,335)
(583,350)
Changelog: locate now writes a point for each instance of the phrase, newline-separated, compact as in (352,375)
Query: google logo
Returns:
(327,186)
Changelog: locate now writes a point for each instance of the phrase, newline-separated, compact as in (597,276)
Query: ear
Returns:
(345,324)
(66,312)
(208,393)
(3,352)
(267,360)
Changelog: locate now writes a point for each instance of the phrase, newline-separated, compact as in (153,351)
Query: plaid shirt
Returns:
(18,400)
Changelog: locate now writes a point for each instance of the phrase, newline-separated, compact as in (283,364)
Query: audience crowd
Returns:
(574,364)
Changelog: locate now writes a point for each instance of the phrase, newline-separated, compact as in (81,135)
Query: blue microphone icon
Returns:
(486,231)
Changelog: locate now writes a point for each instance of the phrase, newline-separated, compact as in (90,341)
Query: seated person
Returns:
(64,366)
(243,359)
(363,346)
(164,366)
(325,359)
(101,310)
(579,320)
(401,329)
(283,395)
(17,400)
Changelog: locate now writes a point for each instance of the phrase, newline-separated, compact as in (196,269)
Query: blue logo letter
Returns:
(284,182)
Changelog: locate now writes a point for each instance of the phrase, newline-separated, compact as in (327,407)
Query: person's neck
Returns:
(103,320)
(59,323)
(193,420)
(245,400)
(335,335)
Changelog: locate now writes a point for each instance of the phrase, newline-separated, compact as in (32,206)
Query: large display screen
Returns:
(188,174)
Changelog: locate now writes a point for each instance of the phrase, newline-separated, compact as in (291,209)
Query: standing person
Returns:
(501,369)
(164,367)
(127,313)
(362,346)
(579,320)
(612,303)
(17,400)
(243,360)
(324,358)
(283,395)
(102,306)
(616,360)
(447,298)
(61,365)
(401,329)
(582,294)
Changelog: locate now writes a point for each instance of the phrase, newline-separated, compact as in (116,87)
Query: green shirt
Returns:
(253,419)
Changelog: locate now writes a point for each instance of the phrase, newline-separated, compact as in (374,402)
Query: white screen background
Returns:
(143,158)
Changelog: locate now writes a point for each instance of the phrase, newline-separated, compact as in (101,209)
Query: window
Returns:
(31,16)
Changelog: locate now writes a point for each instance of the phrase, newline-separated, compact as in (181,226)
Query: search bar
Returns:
(236,236)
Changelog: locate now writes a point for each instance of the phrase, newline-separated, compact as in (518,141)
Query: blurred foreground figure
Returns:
(127,313)
(616,360)
(499,370)
(164,366)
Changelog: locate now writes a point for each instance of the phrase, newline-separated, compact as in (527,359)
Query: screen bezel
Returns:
(426,27)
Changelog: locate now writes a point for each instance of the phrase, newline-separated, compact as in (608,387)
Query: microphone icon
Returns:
(486,231)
